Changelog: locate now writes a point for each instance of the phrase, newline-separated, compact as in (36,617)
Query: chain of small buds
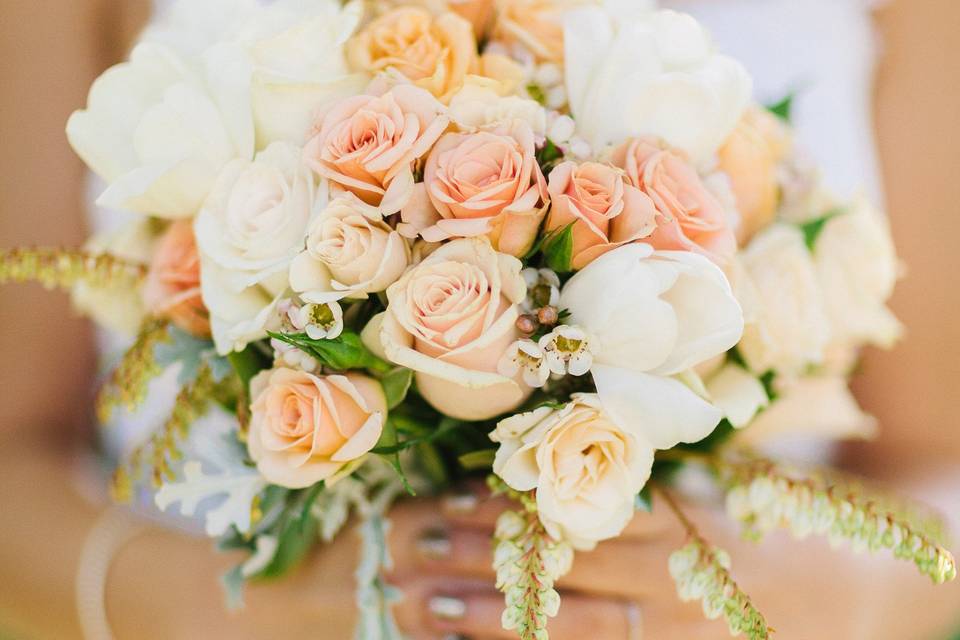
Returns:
(764,497)
(127,386)
(163,447)
(62,268)
(528,561)
(702,572)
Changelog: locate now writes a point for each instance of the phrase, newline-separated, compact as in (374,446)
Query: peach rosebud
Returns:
(486,183)
(603,208)
(691,218)
(367,144)
(433,52)
(172,287)
(306,428)
(451,318)
(750,157)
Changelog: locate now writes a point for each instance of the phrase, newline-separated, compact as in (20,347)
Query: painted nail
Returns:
(435,544)
(462,503)
(447,608)
(634,621)
(456,636)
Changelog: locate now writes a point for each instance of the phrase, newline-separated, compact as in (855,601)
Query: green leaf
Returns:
(482,459)
(784,108)
(558,249)
(812,229)
(232,582)
(396,384)
(446,425)
(344,352)
(548,155)
(248,363)
(391,454)
(308,500)
(644,501)
(294,541)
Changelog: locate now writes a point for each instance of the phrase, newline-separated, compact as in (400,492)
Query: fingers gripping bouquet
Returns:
(547,241)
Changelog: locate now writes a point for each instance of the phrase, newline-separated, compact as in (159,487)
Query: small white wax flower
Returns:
(543,289)
(561,128)
(293,357)
(318,321)
(525,356)
(556,97)
(580,148)
(548,75)
(566,349)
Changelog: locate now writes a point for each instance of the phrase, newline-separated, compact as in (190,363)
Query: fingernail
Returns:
(447,608)
(435,545)
(634,621)
(461,503)
(456,636)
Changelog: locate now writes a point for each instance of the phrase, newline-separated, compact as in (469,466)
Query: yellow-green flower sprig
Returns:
(127,386)
(62,268)
(528,561)
(163,448)
(702,572)
(764,497)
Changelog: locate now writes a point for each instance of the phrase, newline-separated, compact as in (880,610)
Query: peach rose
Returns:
(750,157)
(434,52)
(479,13)
(172,287)
(484,183)
(450,318)
(691,218)
(367,144)
(604,209)
(306,428)
(537,25)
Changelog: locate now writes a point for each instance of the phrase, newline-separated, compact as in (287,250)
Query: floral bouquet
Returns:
(547,242)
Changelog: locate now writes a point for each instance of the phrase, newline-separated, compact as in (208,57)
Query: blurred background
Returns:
(51,50)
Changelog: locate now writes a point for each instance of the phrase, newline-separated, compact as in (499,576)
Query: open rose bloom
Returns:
(550,242)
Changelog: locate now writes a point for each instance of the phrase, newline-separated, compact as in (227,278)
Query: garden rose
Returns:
(605,210)
(691,218)
(172,286)
(536,25)
(483,183)
(479,13)
(350,252)
(248,232)
(367,144)
(306,428)
(586,469)
(450,318)
(652,315)
(650,74)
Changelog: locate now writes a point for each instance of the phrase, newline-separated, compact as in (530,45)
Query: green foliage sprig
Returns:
(62,268)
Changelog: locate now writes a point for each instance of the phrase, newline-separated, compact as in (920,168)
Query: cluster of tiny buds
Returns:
(540,306)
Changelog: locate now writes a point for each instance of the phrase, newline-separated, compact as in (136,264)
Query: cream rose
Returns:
(172,286)
(790,329)
(857,268)
(159,128)
(367,144)
(586,469)
(652,315)
(450,318)
(486,183)
(248,232)
(306,428)
(690,216)
(603,208)
(351,252)
(631,74)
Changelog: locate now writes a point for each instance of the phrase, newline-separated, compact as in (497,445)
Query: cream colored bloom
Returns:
(159,128)
(451,318)
(351,252)
(738,393)
(525,358)
(632,74)
(652,315)
(790,329)
(586,469)
(857,268)
(248,232)
(306,428)
(567,350)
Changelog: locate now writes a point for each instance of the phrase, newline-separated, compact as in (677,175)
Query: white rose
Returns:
(789,330)
(159,128)
(586,469)
(857,268)
(451,318)
(350,252)
(650,74)
(653,315)
(248,232)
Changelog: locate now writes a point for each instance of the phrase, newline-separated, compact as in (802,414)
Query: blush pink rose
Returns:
(306,428)
(486,183)
(367,144)
(604,209)
(691,218)
(172,286)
